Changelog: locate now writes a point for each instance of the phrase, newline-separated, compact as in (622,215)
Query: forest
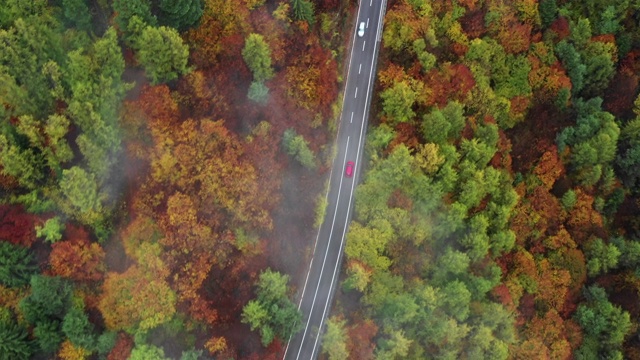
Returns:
(150,151)
(163,162)
(498,215)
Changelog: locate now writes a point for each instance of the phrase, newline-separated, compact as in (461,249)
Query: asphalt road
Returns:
(322,276)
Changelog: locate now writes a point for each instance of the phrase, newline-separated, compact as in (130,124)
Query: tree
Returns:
(21,164)
(162,53)
(628,159)
(77,14)
(146,352)
(49,301)
(126,9)
(334,340)
(605,326)
(548,12)
(296,146)
(14,341)
(441,125)
(393,347)
(106,342)
(569,199)
(135,300)
(48,336)
(257,56)
(16,265)
(258,92)
(303,10)
(69,351)
(601,257)
(78,259)
(398,101)
(180,14)
(78,329)
(81,189)
(51,230)
(272,313)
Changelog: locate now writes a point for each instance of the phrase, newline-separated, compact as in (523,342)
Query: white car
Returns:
(361,29)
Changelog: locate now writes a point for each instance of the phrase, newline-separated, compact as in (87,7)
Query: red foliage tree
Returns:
(473,24)
(122,349)
(561,27)
(77,259)
(17,226)
(360,342)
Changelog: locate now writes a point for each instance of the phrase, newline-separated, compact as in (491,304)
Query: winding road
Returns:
(322,277)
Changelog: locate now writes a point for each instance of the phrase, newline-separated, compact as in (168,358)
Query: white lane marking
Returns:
(315,246)
(351,121)
(363,43)
(356,92)
(326,253)
(344,96)
(367,23)
(357,161)
(359,69)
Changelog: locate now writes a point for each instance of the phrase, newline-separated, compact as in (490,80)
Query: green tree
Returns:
(191,354)
(16,265)
(76,13)
(147,352)
(548,12)
(49,301)
(604,326)
(599,66)
(572,61)
(126,9)
(282,317)
(455,299)
(81,189)
(334,340)
(162,53)
(48,335)
(105,342)
(441,125)
(601,257)
(51,230)
(258,92)
(14,341)
(398,101)
(569,199)
(628,159)
(303,10)
(22,164)
(296,146)
(78,329)
(257,55)
(180,14)
(396,346)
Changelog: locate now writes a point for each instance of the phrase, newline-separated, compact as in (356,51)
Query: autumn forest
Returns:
(163,165)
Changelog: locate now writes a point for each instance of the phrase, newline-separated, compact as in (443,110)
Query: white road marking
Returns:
(360,69)
(335,214)
(335,270)
(315,246)
(351,121)
(344,95)
(363,43)
(356,92)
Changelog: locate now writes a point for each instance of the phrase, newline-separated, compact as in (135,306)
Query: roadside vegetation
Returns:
(498,215)
(150,154)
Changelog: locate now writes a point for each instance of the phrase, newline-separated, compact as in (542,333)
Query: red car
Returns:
(348,171)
